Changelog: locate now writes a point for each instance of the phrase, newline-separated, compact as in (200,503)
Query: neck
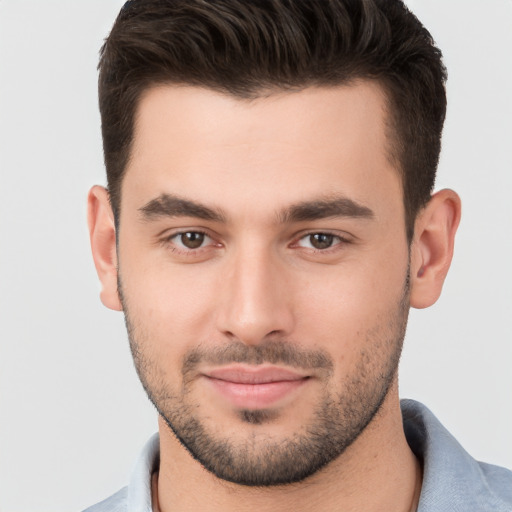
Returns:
(377,472)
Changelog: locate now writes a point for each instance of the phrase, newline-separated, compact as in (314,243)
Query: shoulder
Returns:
(118,502)
(452,479)
(498,481)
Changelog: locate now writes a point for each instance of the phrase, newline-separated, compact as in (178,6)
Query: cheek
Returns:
(343,308)
(171,302)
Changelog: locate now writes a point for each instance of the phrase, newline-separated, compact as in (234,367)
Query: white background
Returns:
(72,413)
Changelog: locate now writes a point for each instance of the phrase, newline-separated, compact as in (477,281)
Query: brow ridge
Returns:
(325,208)
(169,205)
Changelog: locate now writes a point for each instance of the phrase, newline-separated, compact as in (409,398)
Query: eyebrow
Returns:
(169,205)
(325,208)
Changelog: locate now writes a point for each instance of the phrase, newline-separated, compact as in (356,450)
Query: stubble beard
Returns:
(256,460)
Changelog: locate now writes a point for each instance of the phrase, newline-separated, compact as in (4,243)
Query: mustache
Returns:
(270,352)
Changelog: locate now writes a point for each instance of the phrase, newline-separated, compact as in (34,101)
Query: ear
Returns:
(432,247)
(102,233)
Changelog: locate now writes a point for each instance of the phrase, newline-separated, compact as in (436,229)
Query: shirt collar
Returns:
(452,479)
(139,488)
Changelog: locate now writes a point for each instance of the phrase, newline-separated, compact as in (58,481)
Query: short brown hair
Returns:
(243,47)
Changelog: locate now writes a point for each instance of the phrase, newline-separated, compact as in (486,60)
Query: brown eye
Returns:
(321,240)
(191,239)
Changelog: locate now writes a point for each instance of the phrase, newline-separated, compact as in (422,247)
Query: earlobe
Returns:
(432,247)
(102,234)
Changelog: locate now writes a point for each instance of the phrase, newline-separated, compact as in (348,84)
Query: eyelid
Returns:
(166,239)
(167,236)
(342,235)
(343,240)
(169,233)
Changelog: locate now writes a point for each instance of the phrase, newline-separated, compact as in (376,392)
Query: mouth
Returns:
(250,387)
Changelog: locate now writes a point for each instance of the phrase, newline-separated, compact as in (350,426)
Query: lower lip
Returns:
(255,396)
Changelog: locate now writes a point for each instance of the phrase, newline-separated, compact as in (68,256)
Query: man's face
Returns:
(263,268)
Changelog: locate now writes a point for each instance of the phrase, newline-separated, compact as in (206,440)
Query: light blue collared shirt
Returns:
(452,480)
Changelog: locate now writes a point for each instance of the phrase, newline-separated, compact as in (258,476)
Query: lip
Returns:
(255,387)
(243,374)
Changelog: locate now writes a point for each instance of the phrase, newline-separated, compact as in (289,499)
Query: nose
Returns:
(255,302)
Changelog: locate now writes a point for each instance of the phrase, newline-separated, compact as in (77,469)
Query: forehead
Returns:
(283,146)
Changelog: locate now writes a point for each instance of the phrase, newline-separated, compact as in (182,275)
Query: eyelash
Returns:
(341,241)
(167,241)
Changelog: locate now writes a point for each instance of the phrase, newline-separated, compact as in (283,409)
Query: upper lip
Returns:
(254,374)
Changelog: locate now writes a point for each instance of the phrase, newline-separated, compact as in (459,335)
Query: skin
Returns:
(256,278)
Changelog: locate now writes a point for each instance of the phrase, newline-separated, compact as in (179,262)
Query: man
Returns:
(267,225)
